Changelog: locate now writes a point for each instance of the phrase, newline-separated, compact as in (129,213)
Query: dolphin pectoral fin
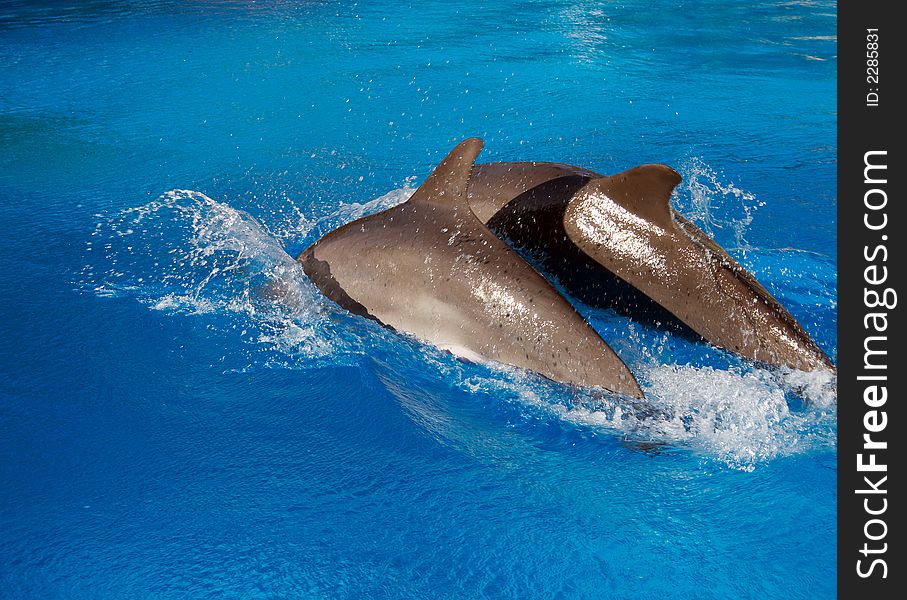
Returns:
(447,185)
(644,190)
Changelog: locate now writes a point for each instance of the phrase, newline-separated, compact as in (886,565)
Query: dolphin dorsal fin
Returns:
(644,190)
(447,184)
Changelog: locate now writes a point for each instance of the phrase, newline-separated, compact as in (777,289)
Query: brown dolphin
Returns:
(430,268)
(615,241)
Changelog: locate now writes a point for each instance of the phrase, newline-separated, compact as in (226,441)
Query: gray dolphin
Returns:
(616,241)
(430,268)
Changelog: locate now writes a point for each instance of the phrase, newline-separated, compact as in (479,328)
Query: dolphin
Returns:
(430,268)
(615,241)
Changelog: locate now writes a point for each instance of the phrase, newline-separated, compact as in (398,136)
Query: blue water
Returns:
(165,432)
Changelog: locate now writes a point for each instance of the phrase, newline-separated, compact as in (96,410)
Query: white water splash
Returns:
(740,418)
(713,205)
(350,212)
(186,253)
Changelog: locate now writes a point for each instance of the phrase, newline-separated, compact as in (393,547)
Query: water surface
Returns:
(165,432)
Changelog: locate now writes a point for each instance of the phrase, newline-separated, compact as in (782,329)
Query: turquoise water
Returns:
(165,432)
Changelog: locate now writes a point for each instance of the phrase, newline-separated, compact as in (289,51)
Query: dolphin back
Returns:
(430,268)
(627,225)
